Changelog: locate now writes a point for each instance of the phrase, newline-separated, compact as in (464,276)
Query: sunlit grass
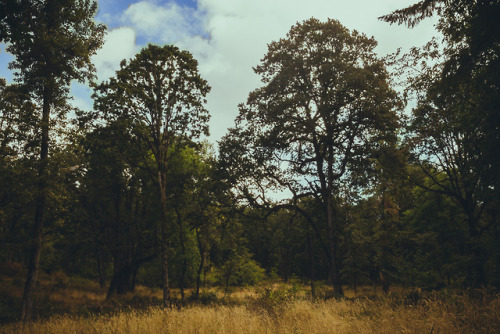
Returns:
(74,305)
(460,314)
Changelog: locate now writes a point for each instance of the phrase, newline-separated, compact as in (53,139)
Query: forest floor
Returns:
(67,304)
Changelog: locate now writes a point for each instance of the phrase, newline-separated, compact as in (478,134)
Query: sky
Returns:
(228,38)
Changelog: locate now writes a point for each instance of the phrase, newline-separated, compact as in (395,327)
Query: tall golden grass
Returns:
(75,305)
(477,312)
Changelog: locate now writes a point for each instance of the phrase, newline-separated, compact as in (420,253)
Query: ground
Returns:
(68,304)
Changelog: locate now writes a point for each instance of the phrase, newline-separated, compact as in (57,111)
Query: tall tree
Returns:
(456,121)
(52,42)
(325,106)
(162,94)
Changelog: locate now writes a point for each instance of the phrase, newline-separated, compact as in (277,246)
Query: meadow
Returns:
(75,305)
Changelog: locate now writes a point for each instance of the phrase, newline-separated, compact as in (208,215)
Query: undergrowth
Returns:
(74,305)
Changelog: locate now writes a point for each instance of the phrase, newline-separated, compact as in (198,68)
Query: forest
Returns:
(344,172)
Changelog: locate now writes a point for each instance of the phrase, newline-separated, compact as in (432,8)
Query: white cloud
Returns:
(229,37)
(170,22)
(119,44)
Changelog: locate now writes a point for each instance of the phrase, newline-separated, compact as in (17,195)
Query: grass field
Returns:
(74,305)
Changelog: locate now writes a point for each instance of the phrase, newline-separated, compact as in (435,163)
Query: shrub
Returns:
(274,301)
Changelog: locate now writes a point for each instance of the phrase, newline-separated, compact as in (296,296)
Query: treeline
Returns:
(128,194)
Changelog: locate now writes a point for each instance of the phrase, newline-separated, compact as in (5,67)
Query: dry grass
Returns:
(398,313)
(73,305)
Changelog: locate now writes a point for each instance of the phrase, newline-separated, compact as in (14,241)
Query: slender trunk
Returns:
(100,269)
(201,249)
(164,240)
(476,266)
(228,277)
(41,198)
(311,262)
(334,271)
(182,278)
(184,262)
(134,277)
(384,280)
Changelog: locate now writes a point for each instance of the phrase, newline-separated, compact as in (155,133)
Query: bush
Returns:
(240,271)
(274,301)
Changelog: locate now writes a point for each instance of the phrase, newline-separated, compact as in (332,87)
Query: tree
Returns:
(52,42)
(325,107)
(16,135)
(162,94)
(435,254)
(120,203)
(454,129)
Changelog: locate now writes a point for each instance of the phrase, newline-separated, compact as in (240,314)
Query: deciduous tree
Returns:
(52,42)
(326,105)
(162,95)
(454,129)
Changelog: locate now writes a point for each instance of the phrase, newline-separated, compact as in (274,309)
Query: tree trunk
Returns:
(164,240)
(182,278)
(34,263)
(100,269)
(122,281)
(201,250)
(334,270)
(311,262)
(384,280)
(228,277)
(184,266)
(476,266)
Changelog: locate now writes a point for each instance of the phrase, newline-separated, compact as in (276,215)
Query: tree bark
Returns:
(122,281)
(334,271)
(182,278)
(476,266)
(311,262)
(384,280)
(201,249)
(184,264)
(164,240)
(100,270)
(41,198)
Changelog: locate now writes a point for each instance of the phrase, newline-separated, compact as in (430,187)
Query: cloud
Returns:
(80,97)
(169,22)
(229,37)
(119,44)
